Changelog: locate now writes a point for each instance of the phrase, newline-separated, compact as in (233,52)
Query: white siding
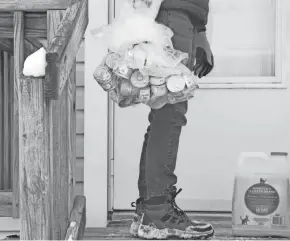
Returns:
(80,121)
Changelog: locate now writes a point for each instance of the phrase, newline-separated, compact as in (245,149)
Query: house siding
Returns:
(80,90)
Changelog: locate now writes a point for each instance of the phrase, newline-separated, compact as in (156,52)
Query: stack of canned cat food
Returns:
(131,78)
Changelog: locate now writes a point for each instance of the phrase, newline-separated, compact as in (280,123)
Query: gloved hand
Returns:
(204,57)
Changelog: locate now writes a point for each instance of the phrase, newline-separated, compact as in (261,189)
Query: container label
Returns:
(262,199)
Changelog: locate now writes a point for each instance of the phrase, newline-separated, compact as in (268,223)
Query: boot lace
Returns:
(133,204)
(177,209)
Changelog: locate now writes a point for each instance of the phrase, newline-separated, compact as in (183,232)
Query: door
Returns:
(242,106)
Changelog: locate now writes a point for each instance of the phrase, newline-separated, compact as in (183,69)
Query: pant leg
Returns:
(160,147)
(161,141)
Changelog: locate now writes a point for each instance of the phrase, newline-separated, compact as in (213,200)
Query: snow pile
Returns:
(35,64)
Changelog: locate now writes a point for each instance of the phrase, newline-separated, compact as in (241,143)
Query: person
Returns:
(157,215)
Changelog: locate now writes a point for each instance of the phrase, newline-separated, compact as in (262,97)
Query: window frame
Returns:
(260,82)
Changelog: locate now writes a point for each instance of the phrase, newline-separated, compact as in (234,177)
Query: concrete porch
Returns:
(118,228)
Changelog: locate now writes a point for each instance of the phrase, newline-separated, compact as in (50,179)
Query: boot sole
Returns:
(147,232)
(137,222)
(134,228)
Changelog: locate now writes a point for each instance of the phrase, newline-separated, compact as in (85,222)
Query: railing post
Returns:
(46,160)
(35,163)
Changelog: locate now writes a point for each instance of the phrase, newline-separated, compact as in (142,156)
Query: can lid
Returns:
(279,153)
(175,83)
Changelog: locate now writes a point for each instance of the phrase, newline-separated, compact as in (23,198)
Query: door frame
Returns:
(96,122)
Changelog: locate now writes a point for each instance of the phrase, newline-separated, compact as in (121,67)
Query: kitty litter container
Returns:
(261,199)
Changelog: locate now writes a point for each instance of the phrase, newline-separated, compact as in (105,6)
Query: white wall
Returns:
(221,124)
(95,150)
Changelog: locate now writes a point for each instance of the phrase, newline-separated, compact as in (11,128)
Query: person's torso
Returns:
(196,9)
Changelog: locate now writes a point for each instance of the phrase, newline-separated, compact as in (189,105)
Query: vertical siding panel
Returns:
(80,75)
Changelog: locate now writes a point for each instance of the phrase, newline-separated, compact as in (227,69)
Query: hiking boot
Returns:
(163,220)
(181,212)
(140,207)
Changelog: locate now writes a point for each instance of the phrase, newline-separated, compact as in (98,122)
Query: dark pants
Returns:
(160,147)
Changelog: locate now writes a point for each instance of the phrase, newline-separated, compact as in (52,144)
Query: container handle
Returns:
(245,155)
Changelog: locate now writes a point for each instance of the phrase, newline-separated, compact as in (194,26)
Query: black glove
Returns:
(204,57)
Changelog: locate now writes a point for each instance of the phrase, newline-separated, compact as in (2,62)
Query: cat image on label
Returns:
(245,220)
(263,181)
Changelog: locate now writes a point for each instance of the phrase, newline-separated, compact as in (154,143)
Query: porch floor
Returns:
(118,228)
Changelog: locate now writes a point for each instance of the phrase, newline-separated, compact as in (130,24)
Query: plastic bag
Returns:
(147,7)
(128,28)
(165,56)
(163,72)
(142,65)
(153,60)
(154,86)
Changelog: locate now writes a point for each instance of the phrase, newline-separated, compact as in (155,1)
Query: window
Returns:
(246,39)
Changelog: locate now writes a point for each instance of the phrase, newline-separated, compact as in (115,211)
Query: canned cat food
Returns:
(122,70)
(102,74)
(110,85)
(159,90)
(126,102)
(181,96)
(139,80)
(105,78)
(190,81)
(157,102)
(125,87)
(144,94)
(157,80)
(175,83)
(112,59)
(176,97)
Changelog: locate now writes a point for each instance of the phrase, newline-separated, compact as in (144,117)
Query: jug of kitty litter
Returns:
(261,198)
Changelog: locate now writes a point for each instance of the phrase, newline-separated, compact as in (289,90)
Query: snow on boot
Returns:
(162,220)
(140,205)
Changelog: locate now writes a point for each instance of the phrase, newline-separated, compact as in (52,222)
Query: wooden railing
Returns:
(44,117)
